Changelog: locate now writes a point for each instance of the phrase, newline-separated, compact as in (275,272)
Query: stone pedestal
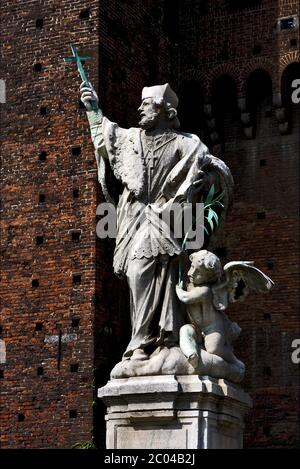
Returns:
(174,412)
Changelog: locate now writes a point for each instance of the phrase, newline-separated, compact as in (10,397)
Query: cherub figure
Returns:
(210,290)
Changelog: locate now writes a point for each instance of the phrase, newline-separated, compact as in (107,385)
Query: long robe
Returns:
(154,178)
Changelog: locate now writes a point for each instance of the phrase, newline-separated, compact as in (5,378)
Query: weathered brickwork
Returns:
(64,316)
(55,407)
(60,303)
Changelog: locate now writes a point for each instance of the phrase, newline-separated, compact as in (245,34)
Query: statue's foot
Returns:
(194,360)
(139,354)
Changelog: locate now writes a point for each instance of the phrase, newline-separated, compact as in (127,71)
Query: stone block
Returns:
(174,412)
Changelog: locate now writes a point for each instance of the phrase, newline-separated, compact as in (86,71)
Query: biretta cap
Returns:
(161,91)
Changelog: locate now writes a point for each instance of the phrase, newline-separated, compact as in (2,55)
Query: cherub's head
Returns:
(205,268)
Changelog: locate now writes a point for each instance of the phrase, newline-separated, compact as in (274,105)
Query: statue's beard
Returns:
(149,121)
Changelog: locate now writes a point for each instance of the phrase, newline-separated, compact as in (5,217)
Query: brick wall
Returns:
(60,303)
(47,327)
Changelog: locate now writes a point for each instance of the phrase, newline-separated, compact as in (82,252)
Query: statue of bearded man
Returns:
(158,166)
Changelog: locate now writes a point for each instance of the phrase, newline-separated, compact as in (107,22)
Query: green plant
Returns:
(210,216)
(84,445)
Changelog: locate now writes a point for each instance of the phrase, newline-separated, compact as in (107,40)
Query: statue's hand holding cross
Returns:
(88,94)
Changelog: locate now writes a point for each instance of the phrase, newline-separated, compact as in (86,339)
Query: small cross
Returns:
(152,162)
(76,58)
(151,166)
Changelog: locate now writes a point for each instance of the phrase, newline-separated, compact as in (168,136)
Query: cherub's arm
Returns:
(196,295)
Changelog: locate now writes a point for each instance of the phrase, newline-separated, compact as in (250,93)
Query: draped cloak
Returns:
(153,180)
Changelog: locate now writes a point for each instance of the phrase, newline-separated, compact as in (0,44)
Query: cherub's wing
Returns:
(240,277)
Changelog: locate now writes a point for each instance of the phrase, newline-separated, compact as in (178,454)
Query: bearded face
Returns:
(150,114)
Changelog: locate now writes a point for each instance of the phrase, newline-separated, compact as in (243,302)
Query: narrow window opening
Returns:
(76,150)
(84,14)
(39,240)
(35,283)
(267,430)
(37,67)
(39,326)
(42,156)
(76,236)
(75,193)
(75,322)
(267,371)
(76,279)
(42,198)
(293,42)
(39,24)
(224,55)
(257,49)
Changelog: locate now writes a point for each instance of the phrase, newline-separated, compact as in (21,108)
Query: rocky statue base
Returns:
(174,412)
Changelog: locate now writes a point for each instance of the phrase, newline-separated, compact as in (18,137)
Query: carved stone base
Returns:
(174,412)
